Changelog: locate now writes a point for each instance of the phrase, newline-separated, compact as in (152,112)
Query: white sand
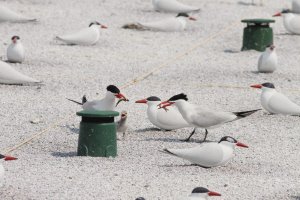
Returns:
(48,168)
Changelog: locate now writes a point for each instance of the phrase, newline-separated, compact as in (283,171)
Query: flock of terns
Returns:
(176,112)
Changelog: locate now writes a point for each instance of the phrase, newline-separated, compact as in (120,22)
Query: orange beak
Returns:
(103,26)
(121,96)
(259,86)
(141,101)
(277,15)
(192,18)
(7,158)
(239,144)
(211,193)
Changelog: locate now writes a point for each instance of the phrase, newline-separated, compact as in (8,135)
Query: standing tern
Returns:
(7,15)
(15,51)
(202,193)
(275,102)
(2,171)
(267,62)
(164,120)
(173,6)
(171,24)
(9,75)
(107,103)
(202,117)
(291,21)
(210,154)
(87,36)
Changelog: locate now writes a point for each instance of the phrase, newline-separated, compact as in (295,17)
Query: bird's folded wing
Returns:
(279,103)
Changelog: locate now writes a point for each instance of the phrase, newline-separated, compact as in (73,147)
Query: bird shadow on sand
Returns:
(176,140)
(231,51)
(287,34)
(142,130)
(72,129)
(246,4)
(295,197)
(64,154)
(185,165)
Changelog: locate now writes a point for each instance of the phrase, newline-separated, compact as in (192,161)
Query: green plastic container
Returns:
(97,134)
(258,34)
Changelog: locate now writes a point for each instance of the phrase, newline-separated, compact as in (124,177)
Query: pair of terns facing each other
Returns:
(171,24)
(201,117)
(86,36)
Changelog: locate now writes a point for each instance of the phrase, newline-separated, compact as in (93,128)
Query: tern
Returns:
(15,51)
(202,117)
(173,6)
(291,21)
(107,103)
(122,123)
(8,75)
(207,155)
(164,120)
(7,15)
(2,171)
(87,36)
(275,102)
(267,62)
(172,24)
(202,193)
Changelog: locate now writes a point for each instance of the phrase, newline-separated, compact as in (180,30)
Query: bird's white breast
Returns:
(15,52)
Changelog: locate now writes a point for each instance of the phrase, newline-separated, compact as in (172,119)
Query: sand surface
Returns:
(213,73)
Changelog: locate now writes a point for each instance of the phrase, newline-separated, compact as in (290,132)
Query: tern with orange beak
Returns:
(212,154)
(172,24)
(275,102)
(291,21)
(107,103)
(267,62)
(173,6)
(170,120)
(202,193)
(2,171)
(202,117)
(87,36)
(15,51)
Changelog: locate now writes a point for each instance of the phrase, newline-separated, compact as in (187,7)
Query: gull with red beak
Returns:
(15,51)
(267,62)
(2,171)
(212,154)
(173,6)
(291,21)
(202,193)
(164,120)
(87,36)
(107,103)
(202,117)
(172,24)
(275,102)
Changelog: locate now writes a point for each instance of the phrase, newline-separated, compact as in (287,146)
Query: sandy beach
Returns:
(204,61)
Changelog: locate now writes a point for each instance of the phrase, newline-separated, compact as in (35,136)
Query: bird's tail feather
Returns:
(245,113)
(168,152)
(75,101)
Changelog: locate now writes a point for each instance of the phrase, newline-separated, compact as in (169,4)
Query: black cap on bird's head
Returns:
(266,85)
(140,198)
(186,15)
(233,141)
(15,38)
(113,89)
(202,190)
(153,98)
(97,23)
(271,46)
(180,96)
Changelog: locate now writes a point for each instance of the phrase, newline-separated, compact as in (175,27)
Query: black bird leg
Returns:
(192,133)
(206,132)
